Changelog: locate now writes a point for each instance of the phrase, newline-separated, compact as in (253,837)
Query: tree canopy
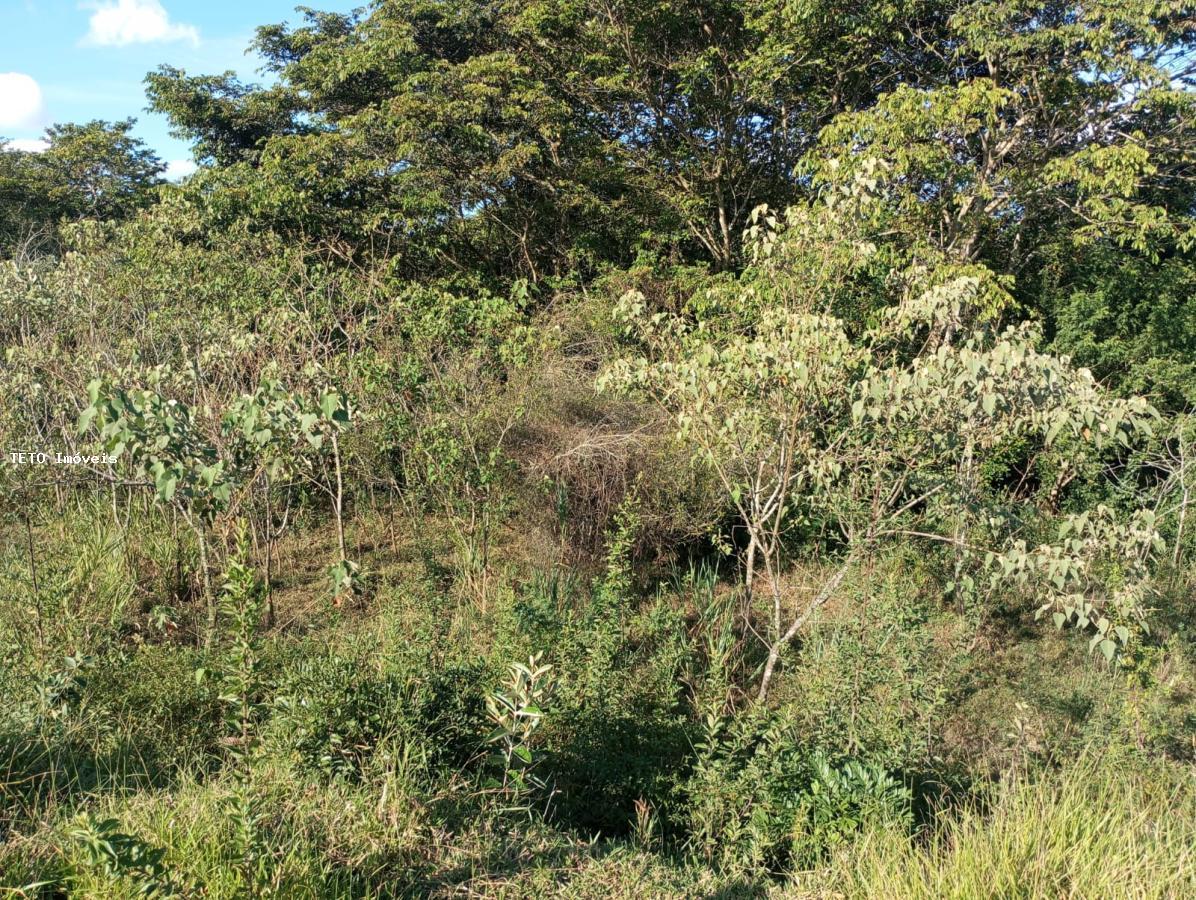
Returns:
(96,170)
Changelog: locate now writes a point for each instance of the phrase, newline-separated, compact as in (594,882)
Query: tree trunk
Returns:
(749,567)
(269,558)
(209,597)
(338,500)
(774,652)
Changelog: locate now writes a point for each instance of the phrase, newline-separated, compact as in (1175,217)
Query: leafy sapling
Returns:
(238,679)
(517,714)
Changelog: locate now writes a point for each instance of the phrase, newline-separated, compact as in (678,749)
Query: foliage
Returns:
(842,800)
(759,372)
(333,716)
(516,713)
(743,797)
(162,445)
(801,424)
(240,684)
(94,170)
(123,857)
(875,685)
(618,731)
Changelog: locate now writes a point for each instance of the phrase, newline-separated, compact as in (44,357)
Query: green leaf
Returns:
(1053,431)
(166,483)
(86,417)
(330,403)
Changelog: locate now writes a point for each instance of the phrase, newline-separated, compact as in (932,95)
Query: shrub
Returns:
(759,801)
(334,714)
(744,795)
(871,680)
(619,733)
(842,800)
(449,709)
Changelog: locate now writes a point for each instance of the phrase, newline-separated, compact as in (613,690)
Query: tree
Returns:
(527,140)
(1131,320)
(709,106)
(27,215)
(876,438)
(99,170)
(1057,130)
(167,452)
(228,121)
(413,130)
(95,170)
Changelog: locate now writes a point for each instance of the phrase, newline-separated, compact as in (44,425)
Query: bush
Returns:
(744,796)
(871,680)
(760,801)
(449,709)
(333,714)
(618,732)
(842,800)
(150,699)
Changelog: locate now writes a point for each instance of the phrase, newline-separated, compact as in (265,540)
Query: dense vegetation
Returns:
(653,448)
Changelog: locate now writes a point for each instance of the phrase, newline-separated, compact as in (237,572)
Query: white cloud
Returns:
(28,145)
(21,103)
(178,169)
(123,22)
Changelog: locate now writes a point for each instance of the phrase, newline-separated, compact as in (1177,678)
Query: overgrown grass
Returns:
(1100,827)
(1106,826)
(897,758)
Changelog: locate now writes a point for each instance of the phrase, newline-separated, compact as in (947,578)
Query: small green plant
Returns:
(349,580)
(616,582)
(60,689)
(517,715)
(645,831)
(114,855)
(843,799)
(241,605)
(162,618)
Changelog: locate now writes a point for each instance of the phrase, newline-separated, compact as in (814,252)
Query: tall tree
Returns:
(527,138)
(94,170)
(98,169)
(1054,121)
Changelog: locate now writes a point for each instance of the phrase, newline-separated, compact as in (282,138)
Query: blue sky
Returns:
(75,60)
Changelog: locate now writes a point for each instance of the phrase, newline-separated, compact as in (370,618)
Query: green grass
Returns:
(1103,828)
(1035,771)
